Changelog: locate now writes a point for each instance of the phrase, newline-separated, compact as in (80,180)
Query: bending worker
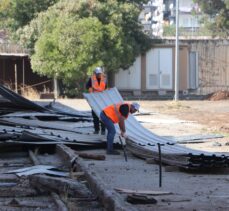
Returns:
(113,114)
(97,83)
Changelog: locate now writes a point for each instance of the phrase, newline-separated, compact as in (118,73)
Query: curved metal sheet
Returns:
(141,138)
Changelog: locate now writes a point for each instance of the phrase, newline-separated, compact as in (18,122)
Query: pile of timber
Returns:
(36,190)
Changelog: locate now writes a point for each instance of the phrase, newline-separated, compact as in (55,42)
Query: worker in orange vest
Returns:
(116,113)
(97,83)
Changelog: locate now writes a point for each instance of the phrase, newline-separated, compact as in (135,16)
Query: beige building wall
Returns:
(183,68)
(212,66)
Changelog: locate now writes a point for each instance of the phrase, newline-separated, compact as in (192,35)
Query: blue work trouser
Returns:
(111,130)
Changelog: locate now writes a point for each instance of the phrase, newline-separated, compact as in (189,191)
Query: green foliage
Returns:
(5,20)
(171,31)
(71,38)
(68,48)
(218,11)
(17,13)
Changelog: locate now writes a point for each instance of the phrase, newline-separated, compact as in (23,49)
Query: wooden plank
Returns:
(140,199)
(176,200)
(59,185)
(59,203)
(91,156)
(33,158)
(110,199)
(18,191)
(68,155)
(145,192)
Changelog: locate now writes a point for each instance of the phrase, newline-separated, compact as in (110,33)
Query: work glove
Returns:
(123,134)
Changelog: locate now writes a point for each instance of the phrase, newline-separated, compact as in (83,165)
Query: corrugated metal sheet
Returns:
(143,142)
(45,136)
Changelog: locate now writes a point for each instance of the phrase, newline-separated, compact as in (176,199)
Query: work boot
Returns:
(96,132)
(113,152)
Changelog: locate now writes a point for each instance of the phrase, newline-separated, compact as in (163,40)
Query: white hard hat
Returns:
(136,106)
(98,70)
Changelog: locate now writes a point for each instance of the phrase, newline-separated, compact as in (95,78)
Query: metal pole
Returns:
(124,148)
(23,73)
(176,97)
(15,75)
(160,168)
(55,88)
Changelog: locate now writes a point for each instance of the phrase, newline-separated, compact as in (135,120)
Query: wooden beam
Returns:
(145,192)
(33,158)
(91,156)
(60,185)
(60,205)
(110,199)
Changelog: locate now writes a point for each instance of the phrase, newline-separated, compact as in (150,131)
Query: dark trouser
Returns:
(96,122)
(111,130)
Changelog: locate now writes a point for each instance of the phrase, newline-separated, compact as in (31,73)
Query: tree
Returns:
(72,37)
(218,11)
(18,13)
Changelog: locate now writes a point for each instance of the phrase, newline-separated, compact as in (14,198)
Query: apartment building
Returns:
(159,13)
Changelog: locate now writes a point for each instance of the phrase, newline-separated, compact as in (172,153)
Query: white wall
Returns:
(152,62)
(188,20)
(130,78)
(159,69)
(186,3)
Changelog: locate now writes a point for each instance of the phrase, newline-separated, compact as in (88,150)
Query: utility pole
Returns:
(176,97)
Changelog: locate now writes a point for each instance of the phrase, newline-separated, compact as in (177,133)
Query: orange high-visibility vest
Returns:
(113,112)
(96,86)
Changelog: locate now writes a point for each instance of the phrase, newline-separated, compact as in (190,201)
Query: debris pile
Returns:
(29,123)
(29,182)
(25,122)
(220,95)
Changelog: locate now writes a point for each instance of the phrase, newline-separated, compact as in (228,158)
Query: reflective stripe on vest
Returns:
(96,86)
(113,112)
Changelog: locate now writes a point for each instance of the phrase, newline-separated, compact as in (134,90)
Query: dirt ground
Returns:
(182,118)
(212,114)
(191,118)
(191,191)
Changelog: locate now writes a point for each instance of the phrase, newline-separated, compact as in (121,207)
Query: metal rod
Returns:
(160,172)
(124,148)
(15,74)
(23,73)
(176,97)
